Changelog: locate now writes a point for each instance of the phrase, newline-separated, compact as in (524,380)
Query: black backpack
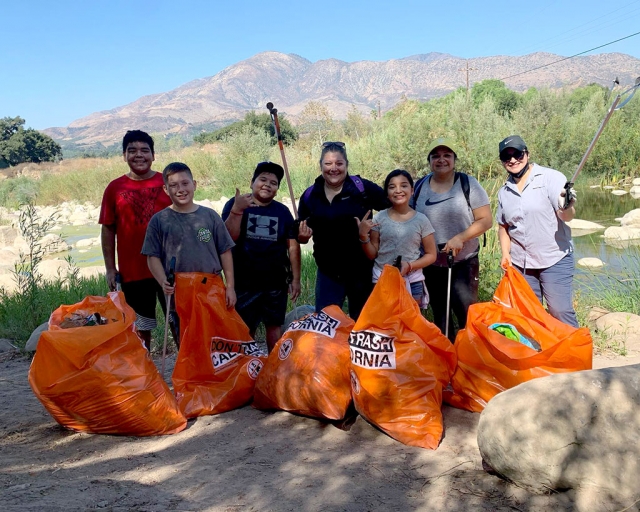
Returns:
(466,190)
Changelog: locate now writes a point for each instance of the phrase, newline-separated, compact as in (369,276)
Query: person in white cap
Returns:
(533,232)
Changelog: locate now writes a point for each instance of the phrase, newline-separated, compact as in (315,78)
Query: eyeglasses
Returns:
(506,155)
(328,144)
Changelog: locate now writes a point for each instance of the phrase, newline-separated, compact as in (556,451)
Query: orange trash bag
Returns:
(307,372)
(400,363)
(100,378)
(489,362)
(218,361)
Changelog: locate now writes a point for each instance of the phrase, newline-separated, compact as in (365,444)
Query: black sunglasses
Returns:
(329,144)
(506,156)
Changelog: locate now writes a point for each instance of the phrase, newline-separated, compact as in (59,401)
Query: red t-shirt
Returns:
(129,205)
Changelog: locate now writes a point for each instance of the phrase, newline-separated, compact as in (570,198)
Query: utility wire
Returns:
(625,16)
(567,58)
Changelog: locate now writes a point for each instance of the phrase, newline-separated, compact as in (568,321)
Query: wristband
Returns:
(235,213)
(365,241)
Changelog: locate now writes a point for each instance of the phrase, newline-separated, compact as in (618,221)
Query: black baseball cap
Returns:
(269,167)
(513,141)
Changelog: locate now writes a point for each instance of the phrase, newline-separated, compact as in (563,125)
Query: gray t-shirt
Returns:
(400,238)
(450,214)
(196,239)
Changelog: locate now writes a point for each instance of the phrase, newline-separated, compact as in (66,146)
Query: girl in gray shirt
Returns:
(400,231)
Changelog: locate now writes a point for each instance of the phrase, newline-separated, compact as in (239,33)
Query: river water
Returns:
(601,206)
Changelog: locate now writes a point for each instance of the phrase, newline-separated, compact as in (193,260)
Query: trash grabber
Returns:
(617,104)
(276,124)
(450,265)
(170,279)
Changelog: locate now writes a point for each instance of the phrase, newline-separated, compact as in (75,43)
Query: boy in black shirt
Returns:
(266,252)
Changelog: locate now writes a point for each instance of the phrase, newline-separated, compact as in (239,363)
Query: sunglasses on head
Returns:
(329,144)
(507,155)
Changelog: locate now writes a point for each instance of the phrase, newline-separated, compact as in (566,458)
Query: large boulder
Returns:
(569,431)
(54,269)
(621,233)
(32,342)
(631,219)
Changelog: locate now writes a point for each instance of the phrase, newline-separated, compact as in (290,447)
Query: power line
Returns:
(561,37)
(567,58)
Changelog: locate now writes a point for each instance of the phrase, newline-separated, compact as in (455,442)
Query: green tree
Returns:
(18,145)
(251,119)
(505,100)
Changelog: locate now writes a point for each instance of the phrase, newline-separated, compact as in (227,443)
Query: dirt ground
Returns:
(244,460)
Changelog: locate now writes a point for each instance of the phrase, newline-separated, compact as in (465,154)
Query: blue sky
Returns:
(65,59)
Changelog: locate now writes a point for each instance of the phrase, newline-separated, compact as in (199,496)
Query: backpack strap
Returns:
(357,181)
(466,190)
(417,187)
(307,194)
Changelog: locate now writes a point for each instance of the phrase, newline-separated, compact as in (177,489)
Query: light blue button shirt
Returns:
(539,238)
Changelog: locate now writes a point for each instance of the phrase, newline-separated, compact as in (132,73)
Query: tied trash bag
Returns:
(490,362)
(100,378)
(400,363)
(307,372)
(218,361)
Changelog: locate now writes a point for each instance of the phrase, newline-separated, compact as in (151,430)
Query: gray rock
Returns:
(569,431)
(7,346)
(631,219)
(584,224)
(296,314)
(590,262)
(622,233)
(32,342)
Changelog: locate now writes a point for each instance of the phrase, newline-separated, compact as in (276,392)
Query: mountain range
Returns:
(291,81)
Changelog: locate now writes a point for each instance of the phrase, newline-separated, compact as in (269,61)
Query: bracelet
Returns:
(365,241)
(235,213)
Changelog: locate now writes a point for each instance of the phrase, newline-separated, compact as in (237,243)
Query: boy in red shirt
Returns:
(128,204)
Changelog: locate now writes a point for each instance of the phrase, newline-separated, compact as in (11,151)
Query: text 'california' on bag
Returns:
(100,378)
(307,372)
(400,363)
(490,362)
(218,361)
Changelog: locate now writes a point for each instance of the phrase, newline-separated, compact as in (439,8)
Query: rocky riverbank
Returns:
(55,243)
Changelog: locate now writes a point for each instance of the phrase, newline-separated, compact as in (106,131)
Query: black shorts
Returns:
(268,307)
(141,296)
